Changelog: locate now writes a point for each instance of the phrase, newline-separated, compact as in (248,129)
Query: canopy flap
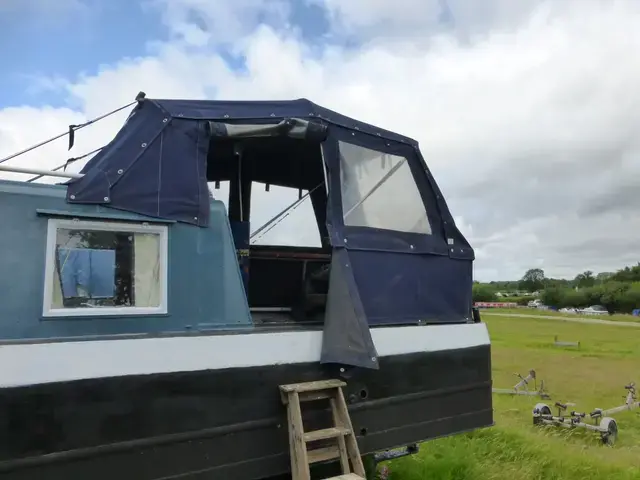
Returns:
(289,127)
(346,338)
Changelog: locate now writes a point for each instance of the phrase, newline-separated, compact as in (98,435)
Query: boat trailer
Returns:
(522,387)
(602,421)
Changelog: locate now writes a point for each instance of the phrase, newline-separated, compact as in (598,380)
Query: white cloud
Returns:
(198,22)
(526,115)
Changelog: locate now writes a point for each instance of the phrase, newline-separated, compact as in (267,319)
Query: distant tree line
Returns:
(617,291)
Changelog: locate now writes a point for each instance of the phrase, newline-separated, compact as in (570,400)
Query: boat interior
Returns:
(284,284)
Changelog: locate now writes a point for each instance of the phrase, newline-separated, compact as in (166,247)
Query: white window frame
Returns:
(107,226)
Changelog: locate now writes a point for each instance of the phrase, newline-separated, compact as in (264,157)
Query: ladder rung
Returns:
(323,454)
(309,396)
(346,476)
(326,433)
(315,395)
(312,386)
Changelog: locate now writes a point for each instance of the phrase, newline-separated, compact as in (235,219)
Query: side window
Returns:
(379,191)
(104,268)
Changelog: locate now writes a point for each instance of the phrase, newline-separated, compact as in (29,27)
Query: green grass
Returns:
(591,376)
(618,317)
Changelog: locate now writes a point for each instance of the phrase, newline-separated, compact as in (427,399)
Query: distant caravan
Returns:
(145,336)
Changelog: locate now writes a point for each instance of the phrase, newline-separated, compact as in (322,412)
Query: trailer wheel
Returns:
(610,431)
(540,409)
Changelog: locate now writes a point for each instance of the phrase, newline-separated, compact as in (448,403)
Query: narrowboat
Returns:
(144,336)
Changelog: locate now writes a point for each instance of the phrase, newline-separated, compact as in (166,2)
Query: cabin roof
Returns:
(159,161)
(225,110)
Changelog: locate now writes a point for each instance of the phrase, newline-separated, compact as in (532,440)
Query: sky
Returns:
(526,112)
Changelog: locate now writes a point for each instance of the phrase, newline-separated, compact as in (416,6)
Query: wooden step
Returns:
(325,433)
(312,386)
(318,455)
(346,476)
(309,396)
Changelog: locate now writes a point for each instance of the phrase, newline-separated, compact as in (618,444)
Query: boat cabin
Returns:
(136,233)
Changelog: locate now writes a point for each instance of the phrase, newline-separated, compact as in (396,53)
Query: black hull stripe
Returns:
(86,453)
(229,423)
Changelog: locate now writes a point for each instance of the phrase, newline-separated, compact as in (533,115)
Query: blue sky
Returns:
(39,41)
(516,104)
(67,38)
(66,42)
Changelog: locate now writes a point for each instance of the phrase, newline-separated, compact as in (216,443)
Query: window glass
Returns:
(96,268)
(379,191)
(297,228)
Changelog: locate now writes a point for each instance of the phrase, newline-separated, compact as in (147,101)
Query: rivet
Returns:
(180,115)
(452,249)
(143,145)
(226,115)
(106,199)
(373,359)
(273,115)
(353,134)
(120,172)
(195,218)
(356,128)
(342,369)
(311,114)
(378,134)
(411,247)
(165,120)
(345,240)
(72,197)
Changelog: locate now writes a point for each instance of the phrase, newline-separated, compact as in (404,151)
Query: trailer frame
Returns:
(603,423)
(522,387)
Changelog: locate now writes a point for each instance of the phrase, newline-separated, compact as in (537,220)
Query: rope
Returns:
(66,164)
(72,129)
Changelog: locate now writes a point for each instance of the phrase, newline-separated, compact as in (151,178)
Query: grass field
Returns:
(534,311)
(592,376)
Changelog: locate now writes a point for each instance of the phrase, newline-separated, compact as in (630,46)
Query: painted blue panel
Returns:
(98,215)
(205,287)
(241,237)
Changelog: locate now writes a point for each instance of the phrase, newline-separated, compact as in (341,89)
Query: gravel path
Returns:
(564,319)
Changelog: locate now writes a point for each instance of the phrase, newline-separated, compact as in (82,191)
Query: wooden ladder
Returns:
(346,447)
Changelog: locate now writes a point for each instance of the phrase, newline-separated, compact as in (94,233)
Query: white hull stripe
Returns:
(29,364)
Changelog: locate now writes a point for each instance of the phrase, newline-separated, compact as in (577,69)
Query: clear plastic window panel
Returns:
(379,191)
(96,268)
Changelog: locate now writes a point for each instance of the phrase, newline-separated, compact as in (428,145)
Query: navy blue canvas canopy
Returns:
(408,264)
